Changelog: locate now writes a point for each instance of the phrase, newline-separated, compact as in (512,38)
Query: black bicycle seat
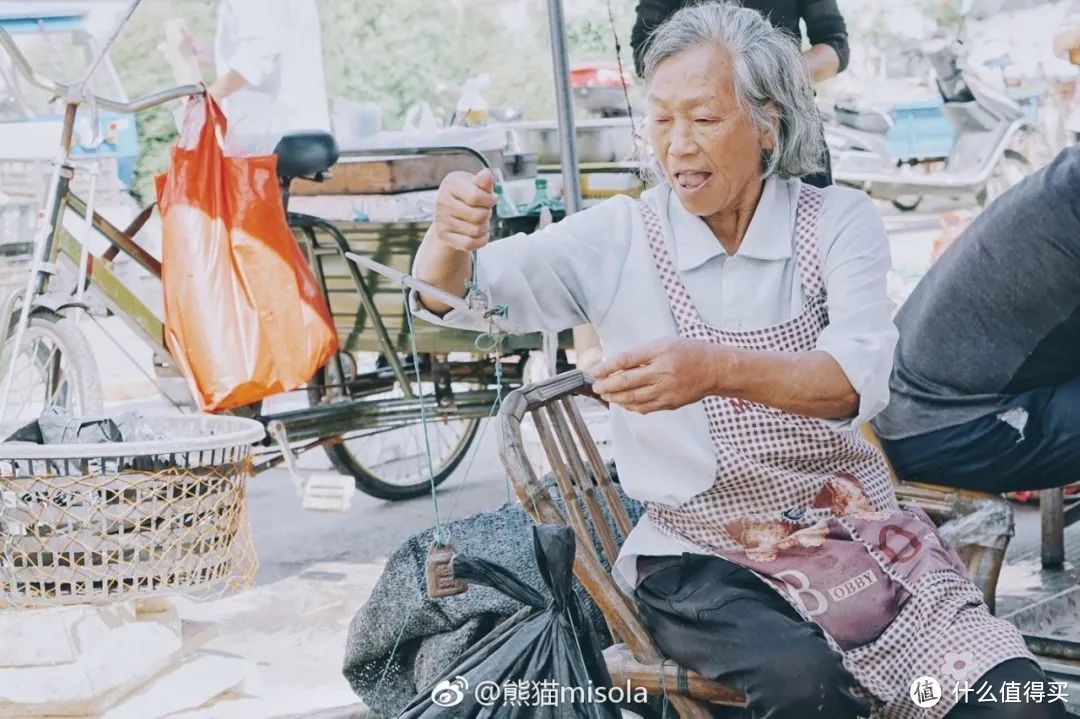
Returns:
(306,153)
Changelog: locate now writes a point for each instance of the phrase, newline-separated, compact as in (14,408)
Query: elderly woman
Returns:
(748,333)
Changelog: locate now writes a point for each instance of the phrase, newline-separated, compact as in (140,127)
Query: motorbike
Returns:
(984,158)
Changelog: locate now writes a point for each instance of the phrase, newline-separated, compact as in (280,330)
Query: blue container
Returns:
(921,131)
(119,134)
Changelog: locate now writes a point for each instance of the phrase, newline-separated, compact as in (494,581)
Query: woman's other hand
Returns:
(463,209)
(661,375)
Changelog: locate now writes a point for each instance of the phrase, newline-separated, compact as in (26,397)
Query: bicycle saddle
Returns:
(306,153)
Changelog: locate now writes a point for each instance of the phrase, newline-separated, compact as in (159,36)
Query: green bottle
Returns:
(540,199)
(503,206)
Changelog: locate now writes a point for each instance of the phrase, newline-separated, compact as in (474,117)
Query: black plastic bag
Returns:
(548,655)
(56,426)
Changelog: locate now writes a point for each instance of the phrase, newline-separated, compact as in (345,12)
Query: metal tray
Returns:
(607,140)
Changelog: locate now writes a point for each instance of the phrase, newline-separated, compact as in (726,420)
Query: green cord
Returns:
(390,659)
(486,343)
(478,442)
(439,540)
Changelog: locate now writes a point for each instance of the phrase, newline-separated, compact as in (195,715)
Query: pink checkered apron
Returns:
(811,510)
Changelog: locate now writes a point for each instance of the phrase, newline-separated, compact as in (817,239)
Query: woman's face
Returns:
(705,141)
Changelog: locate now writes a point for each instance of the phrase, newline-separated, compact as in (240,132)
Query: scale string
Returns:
(486,342)
(423,418)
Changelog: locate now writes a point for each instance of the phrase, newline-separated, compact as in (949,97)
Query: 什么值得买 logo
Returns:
(925,692)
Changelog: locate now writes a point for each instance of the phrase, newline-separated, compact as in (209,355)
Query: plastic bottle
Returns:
(503,206)
(472,108)
(540,198)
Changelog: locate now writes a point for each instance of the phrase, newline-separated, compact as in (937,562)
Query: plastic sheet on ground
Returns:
(990,525)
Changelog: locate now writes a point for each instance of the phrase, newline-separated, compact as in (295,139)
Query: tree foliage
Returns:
(392,52)
(142,69)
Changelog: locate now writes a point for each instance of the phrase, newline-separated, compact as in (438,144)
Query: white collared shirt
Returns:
(596,267)
(276,45)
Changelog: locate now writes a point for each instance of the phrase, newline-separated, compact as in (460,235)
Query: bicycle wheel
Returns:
(54,368)
(391,463)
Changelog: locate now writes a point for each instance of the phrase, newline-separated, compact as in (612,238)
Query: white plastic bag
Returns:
(472,108)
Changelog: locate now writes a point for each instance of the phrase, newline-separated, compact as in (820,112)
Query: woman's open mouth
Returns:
(691,180)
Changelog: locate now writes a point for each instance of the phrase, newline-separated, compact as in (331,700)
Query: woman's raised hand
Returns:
(463,209)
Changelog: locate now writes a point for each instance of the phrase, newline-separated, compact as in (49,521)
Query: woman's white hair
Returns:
(772,80)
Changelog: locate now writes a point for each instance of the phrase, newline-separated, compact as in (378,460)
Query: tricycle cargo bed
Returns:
(395,245)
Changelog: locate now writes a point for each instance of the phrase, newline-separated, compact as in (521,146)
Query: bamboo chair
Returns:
(587,489)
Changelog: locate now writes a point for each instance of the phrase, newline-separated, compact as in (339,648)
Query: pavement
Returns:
(293,631)
(317,569)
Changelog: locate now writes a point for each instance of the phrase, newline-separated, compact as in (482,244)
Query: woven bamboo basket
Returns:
(100,522)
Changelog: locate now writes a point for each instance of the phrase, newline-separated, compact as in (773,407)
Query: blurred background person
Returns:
(267,57)
(1067,46)
(825,29)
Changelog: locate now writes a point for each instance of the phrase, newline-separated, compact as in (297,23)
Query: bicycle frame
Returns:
(322,423)
(347,404)
(324,240)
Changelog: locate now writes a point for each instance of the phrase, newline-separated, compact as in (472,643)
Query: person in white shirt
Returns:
(269,67)
(748,334)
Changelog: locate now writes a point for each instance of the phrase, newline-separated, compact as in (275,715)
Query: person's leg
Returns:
(1034,443)
(722,621)
(1011,684)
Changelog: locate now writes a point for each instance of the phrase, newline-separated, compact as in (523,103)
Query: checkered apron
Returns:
(811,510)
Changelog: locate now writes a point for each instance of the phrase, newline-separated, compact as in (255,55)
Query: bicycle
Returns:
(367,418)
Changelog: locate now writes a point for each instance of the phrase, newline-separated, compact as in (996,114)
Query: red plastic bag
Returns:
(244,318)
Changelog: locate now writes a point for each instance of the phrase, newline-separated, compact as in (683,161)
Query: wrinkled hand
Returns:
(661,375)
(463,209)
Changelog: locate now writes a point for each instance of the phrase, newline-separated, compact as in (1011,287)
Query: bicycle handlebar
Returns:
(24,68)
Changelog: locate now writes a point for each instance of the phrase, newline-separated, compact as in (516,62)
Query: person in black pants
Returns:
(825,29)
(985,387)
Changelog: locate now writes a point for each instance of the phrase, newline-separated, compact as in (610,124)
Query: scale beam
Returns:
(402,279)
